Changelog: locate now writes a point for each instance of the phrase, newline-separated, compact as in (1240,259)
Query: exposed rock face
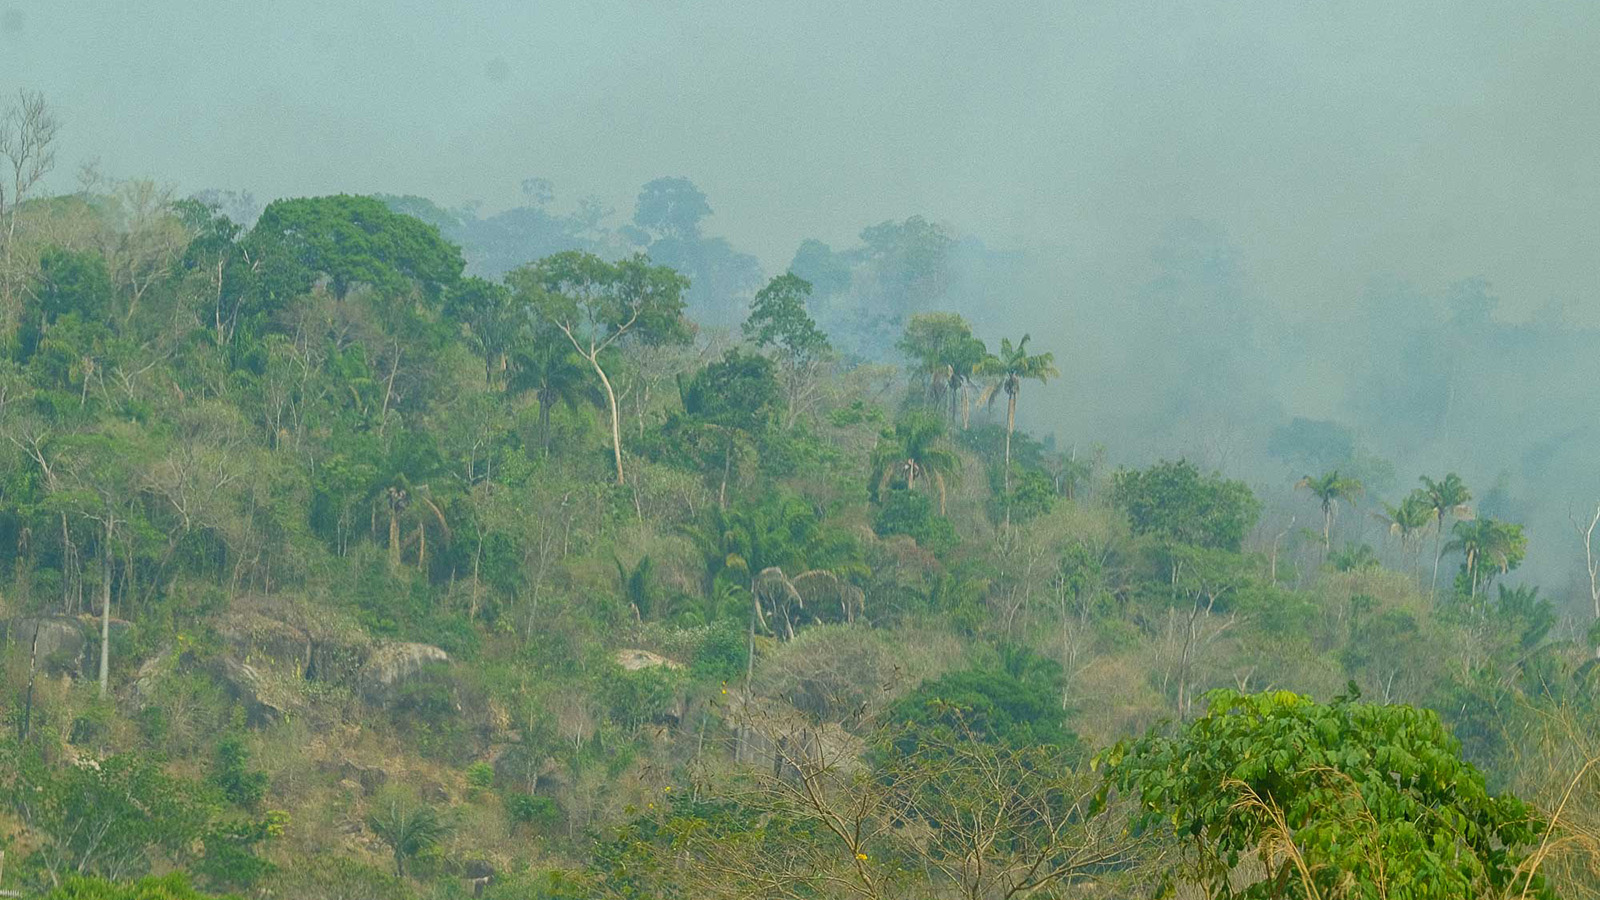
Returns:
(634,660)
(62,642)
(369,778)
(254,637)
(391,665)
(251,688)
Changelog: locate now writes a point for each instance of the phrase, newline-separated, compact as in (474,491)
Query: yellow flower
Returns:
(667,789)
(861,856)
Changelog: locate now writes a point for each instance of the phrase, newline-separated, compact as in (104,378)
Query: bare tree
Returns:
(28,131)
(1590,562)
(27,143)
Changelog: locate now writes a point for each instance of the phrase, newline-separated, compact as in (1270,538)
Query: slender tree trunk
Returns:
(544,423)
(388,390)
(1438,553)
(722,489)
(422,547)
(394,538)
(33,670)
(616,424)
(1011,425)
(105,617)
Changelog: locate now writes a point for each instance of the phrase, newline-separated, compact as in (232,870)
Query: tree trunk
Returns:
(1438,553)
(394,538)
(1011,425)
(422,548)
(33,669)
(105,618)
(544,422)
(388,390)
(722,489)
(616,424)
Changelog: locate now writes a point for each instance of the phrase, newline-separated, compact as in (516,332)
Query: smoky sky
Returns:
(1332,141)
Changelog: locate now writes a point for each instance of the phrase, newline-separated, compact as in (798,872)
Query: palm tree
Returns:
(1010,368)
(553,373)
(1329,490)
(915,448)
(943,348)
(1446,497)
(1479,540)
(782,555)
(1407,520)
(408,827)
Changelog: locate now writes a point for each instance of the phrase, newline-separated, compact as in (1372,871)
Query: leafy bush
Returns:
(173,886)
(913,514)
(230,772)
(1366,794)
(536,810)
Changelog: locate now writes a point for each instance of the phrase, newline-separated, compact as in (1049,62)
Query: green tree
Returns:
(553,373)
(738,398)
(1346,799)
(112,819)
(779,321)
(1488,547)
(1329,489)
(1447,498)
(354,240)
(1010,368)
(916,447)
(1407,520)
(992,705)
(596,304)
(1173,501)
(948,356)
(72,282)
(493,323)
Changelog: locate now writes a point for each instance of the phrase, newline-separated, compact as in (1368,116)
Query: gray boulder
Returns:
(62,642)
(390,665)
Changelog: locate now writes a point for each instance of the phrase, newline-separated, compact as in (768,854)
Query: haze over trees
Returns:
(371,549)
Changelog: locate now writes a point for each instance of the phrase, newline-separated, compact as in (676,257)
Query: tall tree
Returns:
(1407,519)
(948,356)
(28,129)
(492,321)
(596,304)
(779,322)
(1329,489)
(1488,547)
(1009,369)
(1447,498)
(352,240)
(737,397)
(915,448)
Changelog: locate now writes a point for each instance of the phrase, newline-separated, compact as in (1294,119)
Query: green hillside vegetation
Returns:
(330,571)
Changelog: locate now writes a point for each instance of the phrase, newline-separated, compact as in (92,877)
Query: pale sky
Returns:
(1333,141)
